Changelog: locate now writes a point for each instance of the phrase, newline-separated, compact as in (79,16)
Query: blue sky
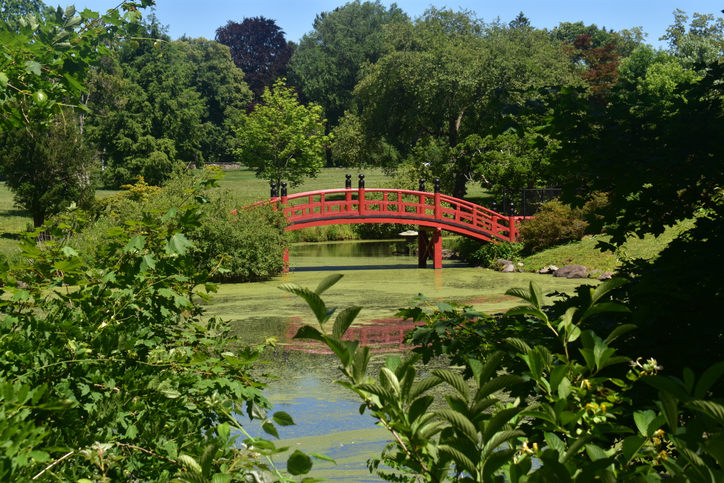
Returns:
(201,18)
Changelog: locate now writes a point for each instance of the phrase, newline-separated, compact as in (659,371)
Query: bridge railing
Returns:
(403,206)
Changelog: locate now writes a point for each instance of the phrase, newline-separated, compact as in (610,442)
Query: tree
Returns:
(328,62)
(625,41)
(150,118)
(701,42)
(258,48)
(12,10)
(660,161)
(445,75)
(221,85)
(47,166)
(601,64)
(283,139)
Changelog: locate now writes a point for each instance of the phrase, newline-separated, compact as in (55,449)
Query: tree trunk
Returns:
(38,218)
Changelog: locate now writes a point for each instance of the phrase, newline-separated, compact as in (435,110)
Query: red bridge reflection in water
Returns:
(387,334)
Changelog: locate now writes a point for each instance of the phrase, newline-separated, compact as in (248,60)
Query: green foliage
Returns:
(46,60)
(283,139)
(455,70)
(110,368)
(152,115)
(249,240)
(379,231)
(48,166)
(354,146)
(557,223)
(327,64)
(484,254)
(583,424)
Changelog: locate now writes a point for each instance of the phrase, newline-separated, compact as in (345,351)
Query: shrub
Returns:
(557,223)
(573,417)
(249,240)
(484,254)
(110,371)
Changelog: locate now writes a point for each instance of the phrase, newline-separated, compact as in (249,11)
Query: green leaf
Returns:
(328,282)
(221,478)
(299,463)
(178,244)
(3,80)
(606,286)
(388,379)
(309,332)
(147,263)
(270,429)
(455,380)
(322,457)
(518,344)
(490,367)
(618,332)
(459,422)
(459,457)
(361,359)
(711,408)
(631,446)
(668,385)
(340,349)
(707,380)
(642,420)
(497,384)
(33,67)
(344,320)
(313,300)
(668,405)
(422,386)
(137,243)
(283,419)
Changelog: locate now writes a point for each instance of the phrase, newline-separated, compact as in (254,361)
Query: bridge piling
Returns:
(361,195)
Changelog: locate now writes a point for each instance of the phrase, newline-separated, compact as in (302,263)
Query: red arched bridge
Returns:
(432,212)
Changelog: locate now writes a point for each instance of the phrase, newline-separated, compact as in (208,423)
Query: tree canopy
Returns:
(327,64)
(258,48)
(443,75)
(283,139)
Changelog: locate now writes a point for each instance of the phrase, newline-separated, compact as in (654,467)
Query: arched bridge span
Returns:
(432,212)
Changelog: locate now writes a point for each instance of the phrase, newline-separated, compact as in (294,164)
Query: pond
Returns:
(327,415)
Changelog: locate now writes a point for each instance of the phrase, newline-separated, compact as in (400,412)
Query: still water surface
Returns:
(327,415)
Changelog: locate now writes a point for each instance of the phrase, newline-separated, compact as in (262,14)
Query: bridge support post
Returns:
(437,248)
(429,244)
(422,245)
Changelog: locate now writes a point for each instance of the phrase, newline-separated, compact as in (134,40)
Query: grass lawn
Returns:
(244,182)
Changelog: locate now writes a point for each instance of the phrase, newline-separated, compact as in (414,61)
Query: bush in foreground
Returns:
(110,371)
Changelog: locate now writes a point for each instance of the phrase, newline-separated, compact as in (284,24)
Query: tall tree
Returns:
(625,41)
(327,64)
(701,42)
(283,139)
(12,10)
(150,120)
(258,48)
(221,85)
(442,75)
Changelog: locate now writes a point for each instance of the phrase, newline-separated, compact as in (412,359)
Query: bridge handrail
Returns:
(464,214)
